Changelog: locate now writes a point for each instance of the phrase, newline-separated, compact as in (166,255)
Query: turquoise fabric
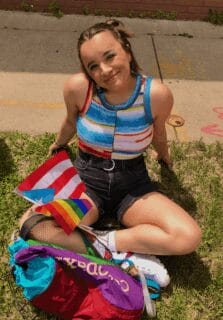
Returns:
(36,276)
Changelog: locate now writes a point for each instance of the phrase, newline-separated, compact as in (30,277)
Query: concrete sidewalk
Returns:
(38,53)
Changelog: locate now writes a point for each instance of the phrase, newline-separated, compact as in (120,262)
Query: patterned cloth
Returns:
(56,178)
(68,213)
(120,131)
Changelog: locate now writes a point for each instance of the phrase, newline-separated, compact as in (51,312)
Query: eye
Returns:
(110,56)
(92,67)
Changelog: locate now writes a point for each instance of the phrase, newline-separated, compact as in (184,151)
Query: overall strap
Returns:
(147,104)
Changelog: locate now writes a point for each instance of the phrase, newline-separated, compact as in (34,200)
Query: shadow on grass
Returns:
(7,164)
(171,186)
(187,271)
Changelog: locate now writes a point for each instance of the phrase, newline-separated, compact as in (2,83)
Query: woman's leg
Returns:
(49,231)
(158,226)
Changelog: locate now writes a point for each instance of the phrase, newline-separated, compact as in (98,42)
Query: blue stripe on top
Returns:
(103,116)
(147,100)
(132,121)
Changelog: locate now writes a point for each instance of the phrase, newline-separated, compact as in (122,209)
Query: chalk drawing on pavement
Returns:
(214,129)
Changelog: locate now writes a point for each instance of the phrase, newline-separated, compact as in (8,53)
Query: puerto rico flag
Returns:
(56,178)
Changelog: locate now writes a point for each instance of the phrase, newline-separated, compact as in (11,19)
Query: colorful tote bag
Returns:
(73,286)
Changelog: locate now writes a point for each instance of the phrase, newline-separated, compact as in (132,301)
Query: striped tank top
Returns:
(121,131)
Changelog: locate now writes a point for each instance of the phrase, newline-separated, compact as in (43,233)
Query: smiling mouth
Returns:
(110,78)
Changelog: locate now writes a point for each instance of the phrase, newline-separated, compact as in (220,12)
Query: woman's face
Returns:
(106,62)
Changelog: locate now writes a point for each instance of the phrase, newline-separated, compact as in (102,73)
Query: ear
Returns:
(129,57)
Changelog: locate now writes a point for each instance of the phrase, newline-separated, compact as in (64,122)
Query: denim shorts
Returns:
(113,185)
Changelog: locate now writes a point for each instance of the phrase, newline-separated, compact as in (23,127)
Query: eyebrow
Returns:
(104,54)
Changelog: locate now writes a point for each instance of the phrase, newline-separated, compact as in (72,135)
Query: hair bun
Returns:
(114,23)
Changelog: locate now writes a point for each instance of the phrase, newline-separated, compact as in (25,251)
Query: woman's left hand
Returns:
(166,161)
(163,160)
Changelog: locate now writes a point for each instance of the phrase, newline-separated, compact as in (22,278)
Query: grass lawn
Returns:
(196,183)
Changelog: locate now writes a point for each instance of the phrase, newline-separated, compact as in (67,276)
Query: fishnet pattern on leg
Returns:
(45,231)
(48,231)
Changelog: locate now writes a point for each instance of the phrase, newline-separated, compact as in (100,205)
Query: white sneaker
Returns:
(149,265)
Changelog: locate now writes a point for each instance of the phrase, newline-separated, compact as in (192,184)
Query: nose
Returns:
(105,68)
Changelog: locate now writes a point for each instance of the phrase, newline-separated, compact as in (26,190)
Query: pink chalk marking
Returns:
(219,110)
(213,130)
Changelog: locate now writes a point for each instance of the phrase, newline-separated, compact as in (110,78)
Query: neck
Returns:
(122,94)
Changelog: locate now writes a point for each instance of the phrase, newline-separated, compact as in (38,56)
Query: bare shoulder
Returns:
(161,98)
(76,82)
(75,89)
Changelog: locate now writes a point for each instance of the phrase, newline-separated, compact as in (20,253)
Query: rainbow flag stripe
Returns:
(68,213)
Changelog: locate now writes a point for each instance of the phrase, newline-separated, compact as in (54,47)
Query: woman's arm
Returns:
(161,105)
(74,95)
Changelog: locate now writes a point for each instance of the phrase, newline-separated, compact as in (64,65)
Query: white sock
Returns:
(109,240)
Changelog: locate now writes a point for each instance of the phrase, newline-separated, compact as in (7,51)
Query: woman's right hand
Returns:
(53,148)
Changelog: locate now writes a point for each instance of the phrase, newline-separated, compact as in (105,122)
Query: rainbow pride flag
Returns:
(68,213)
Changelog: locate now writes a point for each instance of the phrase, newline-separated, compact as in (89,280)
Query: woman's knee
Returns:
(186,239)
